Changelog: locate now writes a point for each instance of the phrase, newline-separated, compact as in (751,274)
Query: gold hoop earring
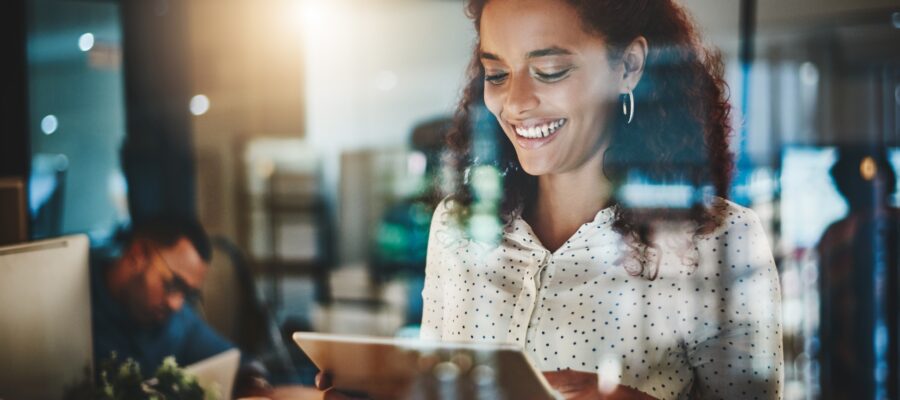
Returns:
(628,106)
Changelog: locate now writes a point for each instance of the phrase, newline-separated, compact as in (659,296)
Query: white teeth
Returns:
(540,131)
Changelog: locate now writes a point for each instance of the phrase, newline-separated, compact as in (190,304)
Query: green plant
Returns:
(122,380)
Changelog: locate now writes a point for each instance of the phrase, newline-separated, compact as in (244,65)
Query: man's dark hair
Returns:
(861,192)
(165,231)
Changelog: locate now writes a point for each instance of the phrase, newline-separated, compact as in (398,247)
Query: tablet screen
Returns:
(385,368)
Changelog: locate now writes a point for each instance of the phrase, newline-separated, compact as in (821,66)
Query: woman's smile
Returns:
(535,133)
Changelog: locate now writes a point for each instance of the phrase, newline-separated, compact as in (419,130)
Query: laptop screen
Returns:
(45,318)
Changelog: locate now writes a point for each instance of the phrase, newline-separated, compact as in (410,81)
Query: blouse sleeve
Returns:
(432,296)
(734,344)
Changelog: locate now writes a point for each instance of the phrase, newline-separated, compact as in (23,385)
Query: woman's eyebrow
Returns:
(549,51)
(489,56)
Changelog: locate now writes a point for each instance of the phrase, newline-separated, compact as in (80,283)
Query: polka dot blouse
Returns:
(707,326)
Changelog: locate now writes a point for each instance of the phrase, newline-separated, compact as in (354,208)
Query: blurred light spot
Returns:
(427,362)
(897,94)
(485,227)
(86,41)
(487,183)
(809,74)
(790,281)
(446,371)
(895,19)
(386,81)
(416,163)
(61,162)
(763,184)
(484,375)
(801,363)
(462,360)
(645,195)
(49,124)
(881,338)
(792,315)
(608,374)
(794,389)
(117,190)
(199,104)
(868,169)
(810,276)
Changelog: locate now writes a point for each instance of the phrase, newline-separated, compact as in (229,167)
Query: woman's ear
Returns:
(633,60)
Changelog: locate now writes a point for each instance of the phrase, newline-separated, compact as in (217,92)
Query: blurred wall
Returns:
(246,60)
(373,69)
(821,73)
(345,75)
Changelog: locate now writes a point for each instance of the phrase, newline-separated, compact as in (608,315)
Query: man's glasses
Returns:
(175,284)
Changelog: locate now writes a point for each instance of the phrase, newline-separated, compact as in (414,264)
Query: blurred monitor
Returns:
(13,211)
(810,202)
(45,318)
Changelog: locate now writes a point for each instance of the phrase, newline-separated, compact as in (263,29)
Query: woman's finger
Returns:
(323,380)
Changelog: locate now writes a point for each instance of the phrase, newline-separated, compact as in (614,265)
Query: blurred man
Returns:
(143,299)
(859,275)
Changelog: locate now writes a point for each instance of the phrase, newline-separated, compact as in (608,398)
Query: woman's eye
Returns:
(496,79)
(552,77)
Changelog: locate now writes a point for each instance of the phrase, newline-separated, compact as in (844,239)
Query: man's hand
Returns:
(580,385)
(251,382)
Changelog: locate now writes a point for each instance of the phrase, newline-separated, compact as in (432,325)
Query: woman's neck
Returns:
(566,201)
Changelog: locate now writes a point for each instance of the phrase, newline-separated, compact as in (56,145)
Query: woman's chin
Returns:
(534,168)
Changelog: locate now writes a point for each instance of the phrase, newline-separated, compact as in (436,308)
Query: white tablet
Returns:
(386,368)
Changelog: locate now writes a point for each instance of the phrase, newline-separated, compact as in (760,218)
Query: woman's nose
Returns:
(520,96)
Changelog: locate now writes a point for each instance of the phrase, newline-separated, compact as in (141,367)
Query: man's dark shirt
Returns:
(184,334)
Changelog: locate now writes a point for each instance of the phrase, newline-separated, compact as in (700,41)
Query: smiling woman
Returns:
(608,298)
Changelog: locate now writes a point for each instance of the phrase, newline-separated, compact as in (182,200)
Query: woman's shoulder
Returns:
(446,214)
(739,244)
(445,206)
(726,218)
(446,231)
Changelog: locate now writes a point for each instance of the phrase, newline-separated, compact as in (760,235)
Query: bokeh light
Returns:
(49,124)
(867,168)
(86,41)
(199,104)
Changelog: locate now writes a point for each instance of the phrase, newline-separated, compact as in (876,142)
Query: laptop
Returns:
(45,318)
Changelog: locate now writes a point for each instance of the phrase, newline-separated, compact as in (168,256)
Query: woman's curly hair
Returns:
(680,130)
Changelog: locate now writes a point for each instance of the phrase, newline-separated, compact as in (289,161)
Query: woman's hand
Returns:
(323,383)
(580,385)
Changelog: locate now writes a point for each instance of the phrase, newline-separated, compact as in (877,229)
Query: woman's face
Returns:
(548,82)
